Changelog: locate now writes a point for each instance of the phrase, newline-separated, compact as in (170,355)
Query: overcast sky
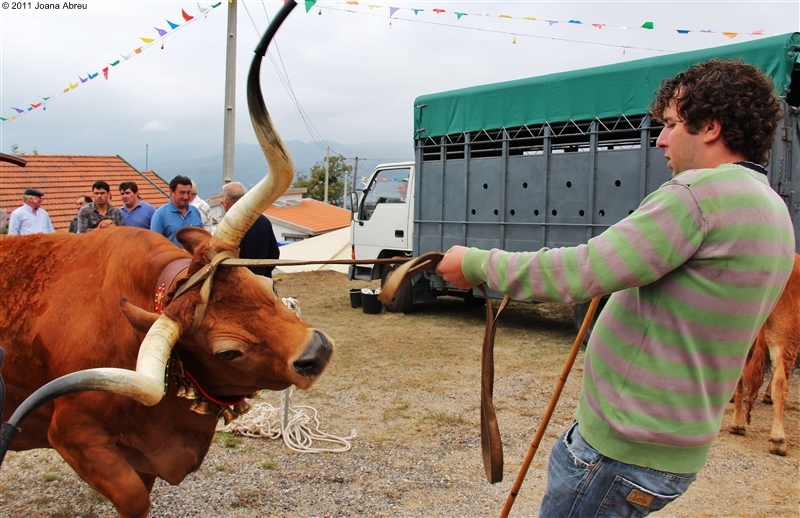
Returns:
(354,70)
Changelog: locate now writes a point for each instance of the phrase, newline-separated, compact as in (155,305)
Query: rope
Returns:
(264,420)
(298,428)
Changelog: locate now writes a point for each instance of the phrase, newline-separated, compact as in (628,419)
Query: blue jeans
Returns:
(582,482)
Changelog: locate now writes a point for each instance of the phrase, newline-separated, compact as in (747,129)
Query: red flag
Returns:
(186,16)
(105,73)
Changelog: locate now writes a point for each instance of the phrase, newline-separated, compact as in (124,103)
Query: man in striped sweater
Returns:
(693,272)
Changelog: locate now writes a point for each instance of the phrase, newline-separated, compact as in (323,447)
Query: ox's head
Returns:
(240,337)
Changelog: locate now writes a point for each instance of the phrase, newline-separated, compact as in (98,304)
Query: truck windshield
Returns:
(388,186)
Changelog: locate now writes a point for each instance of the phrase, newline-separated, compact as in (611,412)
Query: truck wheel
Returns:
(405,295)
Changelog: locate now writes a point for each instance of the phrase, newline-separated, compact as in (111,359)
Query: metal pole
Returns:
(229,137)
(355,173)
(327,171)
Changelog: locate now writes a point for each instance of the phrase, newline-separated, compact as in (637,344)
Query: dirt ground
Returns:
(409,385)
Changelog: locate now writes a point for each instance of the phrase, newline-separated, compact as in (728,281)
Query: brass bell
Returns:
(181,391)
(242,408)
(254,394)
(191,393)
(228,415)
(201,407)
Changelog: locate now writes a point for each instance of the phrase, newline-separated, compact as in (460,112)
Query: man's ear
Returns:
(712,131)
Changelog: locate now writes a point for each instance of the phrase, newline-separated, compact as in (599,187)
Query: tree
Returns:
(315,181)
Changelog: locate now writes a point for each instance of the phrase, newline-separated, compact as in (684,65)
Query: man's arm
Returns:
(157,223)
(49,225)
(659,236)
(14,223)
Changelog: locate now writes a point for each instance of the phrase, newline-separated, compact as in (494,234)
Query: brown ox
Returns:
(781,336)
(76,308)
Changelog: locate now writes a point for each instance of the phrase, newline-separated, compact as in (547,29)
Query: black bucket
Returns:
(370,303)
(355,298)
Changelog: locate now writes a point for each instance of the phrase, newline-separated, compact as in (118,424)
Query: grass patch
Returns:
(229,440)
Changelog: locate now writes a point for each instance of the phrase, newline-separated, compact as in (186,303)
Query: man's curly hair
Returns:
(737,95)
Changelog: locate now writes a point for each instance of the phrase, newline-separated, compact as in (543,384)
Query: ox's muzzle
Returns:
(315,358)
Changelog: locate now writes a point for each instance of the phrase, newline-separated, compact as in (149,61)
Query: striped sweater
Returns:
(694,272)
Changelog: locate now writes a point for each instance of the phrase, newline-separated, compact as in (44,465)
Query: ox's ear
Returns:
(140,319)
(192,237)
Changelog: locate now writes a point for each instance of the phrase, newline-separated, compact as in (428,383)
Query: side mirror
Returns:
(354,201)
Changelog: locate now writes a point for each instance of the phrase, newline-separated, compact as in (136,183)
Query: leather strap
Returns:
(491,442)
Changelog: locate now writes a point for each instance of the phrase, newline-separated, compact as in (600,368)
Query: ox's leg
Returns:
(767,399)
(780,390)
(738,423)
(90,451)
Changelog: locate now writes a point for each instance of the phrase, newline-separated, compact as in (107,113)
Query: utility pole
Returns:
(229,129)
(355,174)
(327,170)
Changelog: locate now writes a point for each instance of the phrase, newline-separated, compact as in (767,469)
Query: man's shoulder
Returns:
(86,209)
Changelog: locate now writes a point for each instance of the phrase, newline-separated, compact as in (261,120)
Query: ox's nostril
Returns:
(316,356)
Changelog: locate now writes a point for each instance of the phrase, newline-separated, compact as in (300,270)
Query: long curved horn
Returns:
(243,214)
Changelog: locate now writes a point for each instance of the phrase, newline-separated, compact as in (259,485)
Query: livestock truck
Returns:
(548,161)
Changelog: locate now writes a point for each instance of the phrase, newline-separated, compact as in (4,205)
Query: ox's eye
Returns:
(229,355)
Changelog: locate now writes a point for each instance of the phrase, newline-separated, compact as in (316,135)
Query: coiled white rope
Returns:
(299,429)
(264,420)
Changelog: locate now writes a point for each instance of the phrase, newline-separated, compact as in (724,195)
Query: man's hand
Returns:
(449,268)
(105,223)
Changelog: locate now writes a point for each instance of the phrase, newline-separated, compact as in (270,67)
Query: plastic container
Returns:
(370,303)
(355,298)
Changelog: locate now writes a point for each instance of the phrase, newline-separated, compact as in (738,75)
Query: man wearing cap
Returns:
(30,218)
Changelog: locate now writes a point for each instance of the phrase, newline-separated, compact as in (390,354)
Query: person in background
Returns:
(259,241)
(693,274)
(135,211)
(402,190)
(79,202)
(99,213)
(202,206)
(177,213)
(30,218)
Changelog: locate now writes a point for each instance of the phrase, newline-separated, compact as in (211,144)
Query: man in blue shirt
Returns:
(176,214)
(30,218)
(135,211)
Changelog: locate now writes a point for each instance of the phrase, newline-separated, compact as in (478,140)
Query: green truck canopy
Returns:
(590,93)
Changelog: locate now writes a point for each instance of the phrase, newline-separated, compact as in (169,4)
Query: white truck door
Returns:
(385,214)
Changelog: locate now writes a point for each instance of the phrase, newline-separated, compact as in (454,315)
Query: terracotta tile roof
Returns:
(63,178)
(314,215)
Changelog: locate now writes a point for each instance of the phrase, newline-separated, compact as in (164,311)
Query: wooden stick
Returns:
(523,470)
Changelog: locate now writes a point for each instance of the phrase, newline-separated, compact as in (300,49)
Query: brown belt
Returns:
(491,443)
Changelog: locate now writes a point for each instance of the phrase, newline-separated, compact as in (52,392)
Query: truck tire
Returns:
(405,295)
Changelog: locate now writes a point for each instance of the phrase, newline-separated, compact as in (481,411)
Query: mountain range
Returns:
(250,165)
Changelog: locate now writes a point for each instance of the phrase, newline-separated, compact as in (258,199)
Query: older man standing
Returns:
(30,218)
(177,213)
(259,241)
(100,213)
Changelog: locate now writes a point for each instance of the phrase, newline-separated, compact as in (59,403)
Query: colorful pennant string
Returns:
(148,42)
(649,25)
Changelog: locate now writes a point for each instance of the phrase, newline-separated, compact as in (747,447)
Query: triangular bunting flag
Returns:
(214,6)
(575,21)
(36,105)
(66,89)
(91,76)
(683,31)
(124,57)
(201,9)
(647,25)
(529,18)
(172,25)
(352,2)
(82,79)
(18,110)
(105,73)
(114,63)
(438,11)
(310,4)
(73,86)
(505,16)
(758,32)
(416,11)
(372,6)
(161,32)
(393,10)
(730,34)
(459,15)
(147,40)
(552,22)
(138,51)
(30,109)
(186,16)
(3,119)
(598,25)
